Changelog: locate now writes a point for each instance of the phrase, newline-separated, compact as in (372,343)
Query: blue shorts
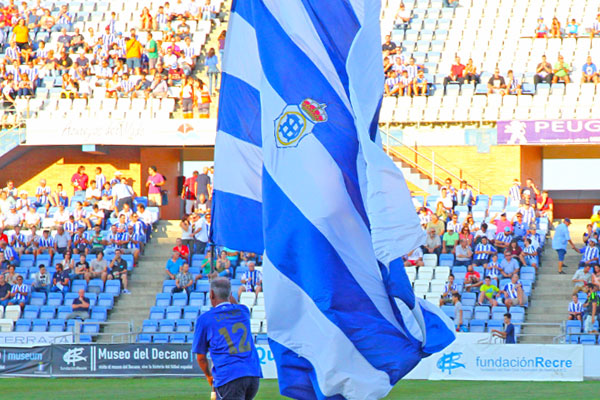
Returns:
(134,62)
(561,254)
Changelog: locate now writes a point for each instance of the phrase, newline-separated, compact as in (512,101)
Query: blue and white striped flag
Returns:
(299,176)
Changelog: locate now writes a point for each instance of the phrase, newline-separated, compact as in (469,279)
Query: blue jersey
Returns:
(225,332)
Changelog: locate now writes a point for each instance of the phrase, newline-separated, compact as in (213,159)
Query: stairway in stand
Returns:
(552,293)
(146,280)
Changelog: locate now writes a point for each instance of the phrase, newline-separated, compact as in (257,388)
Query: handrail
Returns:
(473,182)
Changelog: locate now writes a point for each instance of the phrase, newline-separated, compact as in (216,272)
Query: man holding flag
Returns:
(301,178)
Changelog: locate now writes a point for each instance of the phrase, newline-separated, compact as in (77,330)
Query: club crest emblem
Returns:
(297,121)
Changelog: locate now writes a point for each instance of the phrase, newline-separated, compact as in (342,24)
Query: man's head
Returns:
(592,242)
(118,253)
(508,255)
(450,278)
(586,268)
(82,257)
(178,242)
(81,293)
(575,298)
(463,243)
(251,265)
(514,278)
(507,318)
(185,267)
(175,255)
(567,221)
(506,230)
(220,291)
(455,297)
(19,280)
(99,255)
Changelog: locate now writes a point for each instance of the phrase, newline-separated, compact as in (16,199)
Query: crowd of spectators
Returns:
(157,60)
(404,77)
(84,235)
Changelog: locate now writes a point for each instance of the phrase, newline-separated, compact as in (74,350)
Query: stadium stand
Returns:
(494,35)
(105,59)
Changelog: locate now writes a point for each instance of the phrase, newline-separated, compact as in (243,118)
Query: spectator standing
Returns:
(188,194)
(154,184)
(458,313)
(203,184)
(560,240)
(211,63)
(122,192)
(575,309)
(591,309)
(79,180)
(201,228)
(133,53)
(509,330)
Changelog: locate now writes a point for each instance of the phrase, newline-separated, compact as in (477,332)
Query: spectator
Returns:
(204,184)
(82,269)
(555,30)
(515,250)
(492,268)
(118,270)
(187,230)
(414,258)
(211,63)
(483,252)
(11,276)
(98,267)
(543,72)
(465,234)
(514,87)
(470,73)
(462,253)
(222,268)
(496,83)
(591,309)
(472,280)
(572,28)
(131,244)
(201,228)
(594,30)
(453,223)
(590,233)
(559,242)
(60,280)
(561,71)
(173,265)
(19,293)
(154,184)
(79,180)
(388,45)
(458,313)
(501,223)
(5,291)
(541,30)
(509,331)
(488,292)
(513,291)
(10,255)
(509,265)
(575,309)
(519,227)
(590,72)
(80,306)
(188,194)
(484,232)
(402,19)
(529,255)
(449,289)
(251,280)
(183,280)
(433,243)
(183,250)
(456,72)
(122,192)
(134,53)
(62,240)
(503,239)
(436,224)
(451,3)
(545,205)
(420,84)
(581,279)
(449,240)
(590,254)
(465,197)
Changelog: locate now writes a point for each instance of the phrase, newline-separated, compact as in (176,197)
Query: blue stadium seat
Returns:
(39,325)
(160,338)
(163,299)
(55,299)
(63,312)
(184,325)
(98,283)
(31,311)
(106,300)
(448,310)
(157,312)
(150,326)
(203,285)
(191,312)
(446,260)
(69,297)
(78,284)
(587,339)
(173,312)
(37,299)
(177,338)
(197,299)
(467,312)
(99,313)
(92,297)
(23,325)
(572,339)
(47,312)
(498,313)
(482,312)
(527,273)
(476,325)
(468,299)
(494,324)
(573,327)
(90,326)
(144,338)
(168,285)
(166,326)
(57,325)
(140,200)
(113,286)
(180,299)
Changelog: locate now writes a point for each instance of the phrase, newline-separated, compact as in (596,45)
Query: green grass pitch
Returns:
(172,388)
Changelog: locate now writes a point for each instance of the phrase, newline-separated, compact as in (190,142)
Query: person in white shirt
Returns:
(92,194)
(201,228)
(32,218)
(61,216)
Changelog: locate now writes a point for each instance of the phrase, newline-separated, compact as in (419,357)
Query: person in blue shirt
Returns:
(224,331)
(590,73)
(559,243)
(509,330)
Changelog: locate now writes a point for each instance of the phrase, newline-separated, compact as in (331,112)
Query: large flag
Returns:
(300,177)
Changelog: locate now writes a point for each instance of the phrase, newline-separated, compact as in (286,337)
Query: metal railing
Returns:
(434,166)
(127,332)
(12,137)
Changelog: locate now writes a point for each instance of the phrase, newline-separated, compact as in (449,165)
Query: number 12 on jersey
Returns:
(242,346)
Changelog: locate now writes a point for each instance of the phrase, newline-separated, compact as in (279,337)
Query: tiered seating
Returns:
(492,33)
